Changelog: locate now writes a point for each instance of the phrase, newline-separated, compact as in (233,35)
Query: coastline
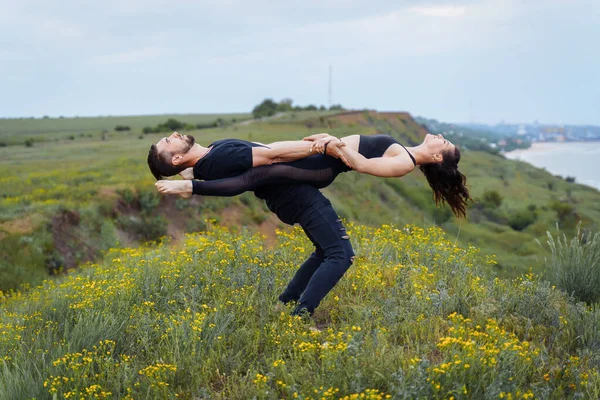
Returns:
(576,159)
(538,147)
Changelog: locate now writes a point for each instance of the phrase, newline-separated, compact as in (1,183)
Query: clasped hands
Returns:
(324,142)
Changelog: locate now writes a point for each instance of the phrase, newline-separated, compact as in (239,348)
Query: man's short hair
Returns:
(160,164)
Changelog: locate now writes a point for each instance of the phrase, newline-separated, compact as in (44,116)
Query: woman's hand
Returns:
(182,188)
(334,149)
(320,145)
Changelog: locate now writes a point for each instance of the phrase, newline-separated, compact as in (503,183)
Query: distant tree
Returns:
(311,107)
(46,117)
(29,143)
(147,130)
(172,124)
(285,105)
(336,107)
(265,109)
(322,108)
(3,144)
(120,128)
(570,179)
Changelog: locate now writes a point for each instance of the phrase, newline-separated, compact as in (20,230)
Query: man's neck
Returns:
(194,155)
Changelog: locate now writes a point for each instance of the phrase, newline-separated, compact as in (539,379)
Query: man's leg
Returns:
(323,225)
(300,280)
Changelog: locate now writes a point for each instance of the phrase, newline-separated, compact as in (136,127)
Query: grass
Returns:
(415,317)
(89,173)
(16,131)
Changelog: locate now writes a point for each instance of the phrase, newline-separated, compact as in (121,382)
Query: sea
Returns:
(580,160)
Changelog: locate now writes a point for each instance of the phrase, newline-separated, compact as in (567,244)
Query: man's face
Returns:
(175,144)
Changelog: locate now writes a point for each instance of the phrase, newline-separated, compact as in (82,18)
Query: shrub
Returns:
(574,264)
(206,125)
(172,124)
(265,109)
(29,143)
(522,219)
(563,210)
(492,199)
(120,128)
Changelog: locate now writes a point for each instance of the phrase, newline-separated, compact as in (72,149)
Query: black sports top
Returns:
(372,146)
(226,158)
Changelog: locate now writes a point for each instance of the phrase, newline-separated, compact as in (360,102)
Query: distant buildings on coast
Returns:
(507,137)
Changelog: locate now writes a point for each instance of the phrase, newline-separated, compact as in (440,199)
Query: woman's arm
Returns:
(385,167)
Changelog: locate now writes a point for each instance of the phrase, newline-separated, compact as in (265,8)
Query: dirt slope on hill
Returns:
(400,125)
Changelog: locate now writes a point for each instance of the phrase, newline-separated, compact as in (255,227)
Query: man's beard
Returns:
(190,141)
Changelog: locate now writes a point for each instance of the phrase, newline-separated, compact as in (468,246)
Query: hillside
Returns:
(415,317)
(68,198)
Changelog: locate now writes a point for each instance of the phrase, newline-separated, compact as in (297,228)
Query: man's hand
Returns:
(316,136)
(319,144)
(182,188)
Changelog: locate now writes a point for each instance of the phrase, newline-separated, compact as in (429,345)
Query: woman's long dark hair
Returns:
(448,183)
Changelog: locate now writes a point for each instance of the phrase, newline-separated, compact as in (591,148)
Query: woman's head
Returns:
(447,182)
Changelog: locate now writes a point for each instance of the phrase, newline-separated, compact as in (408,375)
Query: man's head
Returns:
(167,156)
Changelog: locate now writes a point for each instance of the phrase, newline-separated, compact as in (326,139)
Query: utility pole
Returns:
(330,86)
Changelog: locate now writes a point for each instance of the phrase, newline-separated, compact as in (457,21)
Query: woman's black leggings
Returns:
(318,170)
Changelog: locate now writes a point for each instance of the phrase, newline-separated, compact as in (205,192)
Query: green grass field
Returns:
(415,317)
(105,181)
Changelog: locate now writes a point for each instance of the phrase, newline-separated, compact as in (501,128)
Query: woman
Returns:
(378,155)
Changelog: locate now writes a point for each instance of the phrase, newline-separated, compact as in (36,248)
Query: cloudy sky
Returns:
(456,60)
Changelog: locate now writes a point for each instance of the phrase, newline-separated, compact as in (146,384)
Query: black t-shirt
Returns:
(226,158)
(231,157)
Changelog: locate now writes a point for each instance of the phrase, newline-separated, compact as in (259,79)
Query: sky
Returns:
(487,61)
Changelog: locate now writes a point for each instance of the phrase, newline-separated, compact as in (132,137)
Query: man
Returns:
(176,153)
(302,204)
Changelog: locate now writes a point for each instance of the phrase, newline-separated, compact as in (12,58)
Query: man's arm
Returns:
(281,152)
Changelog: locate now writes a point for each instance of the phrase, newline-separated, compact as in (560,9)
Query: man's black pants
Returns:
(332,257)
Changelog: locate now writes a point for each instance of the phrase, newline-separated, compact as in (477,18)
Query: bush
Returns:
(563,210)
(120,128)
(492,199)
(3,144)
(574,265)
(172,124)
(522,219)
(29,143)
(206,125)
(265,109)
